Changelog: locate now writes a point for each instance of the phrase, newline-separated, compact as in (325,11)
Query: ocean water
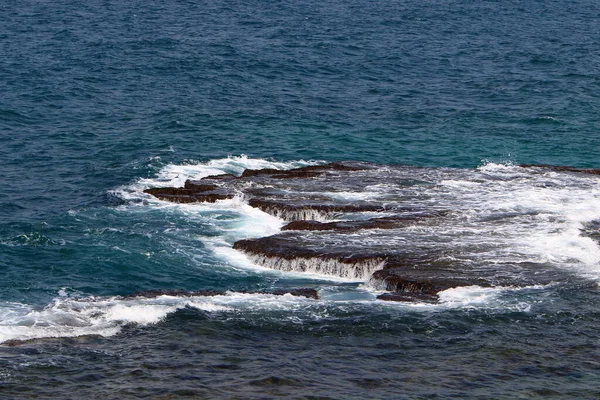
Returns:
(443,99)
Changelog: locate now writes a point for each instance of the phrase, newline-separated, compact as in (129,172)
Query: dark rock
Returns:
(337,166)
(169,191)
(273,246)
(220,177)
(256,172)
(410,297)
(562,168)
(311,226)
(388,280)
(386,256)
(426,272)
(310,171)
(280,246)
(266,193)
(199,187)
(190,194)
(392,222)
(303,292)
(284,253)
(308,293)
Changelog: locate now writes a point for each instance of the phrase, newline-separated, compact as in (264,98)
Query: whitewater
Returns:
(504,214)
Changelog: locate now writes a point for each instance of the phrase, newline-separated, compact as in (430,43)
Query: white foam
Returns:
(142,314)
(209,307)
(256,223)
(469,296)
(236,258)
(460,184)
(175,175)
(535,215)
(489,166)
(353,196)
(69,317)
(107,316)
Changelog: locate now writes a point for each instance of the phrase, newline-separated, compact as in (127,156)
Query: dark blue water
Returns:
(103,99)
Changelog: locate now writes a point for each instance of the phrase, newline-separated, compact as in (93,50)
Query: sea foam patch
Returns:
(533,215)
(107,316)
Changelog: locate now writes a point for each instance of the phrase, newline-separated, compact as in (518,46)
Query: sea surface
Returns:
(101,100)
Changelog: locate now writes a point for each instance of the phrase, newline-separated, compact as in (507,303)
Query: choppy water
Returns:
(102,100)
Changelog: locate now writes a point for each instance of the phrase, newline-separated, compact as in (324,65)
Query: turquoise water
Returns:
(104,99)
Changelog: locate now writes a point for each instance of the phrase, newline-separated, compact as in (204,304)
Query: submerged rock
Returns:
(302,292)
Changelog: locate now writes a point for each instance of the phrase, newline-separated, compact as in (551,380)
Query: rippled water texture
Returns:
(443,99)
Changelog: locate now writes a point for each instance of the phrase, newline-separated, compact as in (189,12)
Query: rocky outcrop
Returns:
(266,189)
(329,232)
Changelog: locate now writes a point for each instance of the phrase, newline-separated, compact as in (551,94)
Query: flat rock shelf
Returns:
(405,231)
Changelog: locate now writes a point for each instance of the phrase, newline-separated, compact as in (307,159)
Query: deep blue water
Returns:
(102,99)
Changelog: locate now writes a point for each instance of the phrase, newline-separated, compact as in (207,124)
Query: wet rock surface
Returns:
(397,228)
(191,193)
(409,297)
(392,222)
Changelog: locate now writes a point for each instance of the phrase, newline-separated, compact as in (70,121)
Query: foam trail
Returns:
(491,299)
(107,316)
(256,223)
(78,317)
(367,194)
